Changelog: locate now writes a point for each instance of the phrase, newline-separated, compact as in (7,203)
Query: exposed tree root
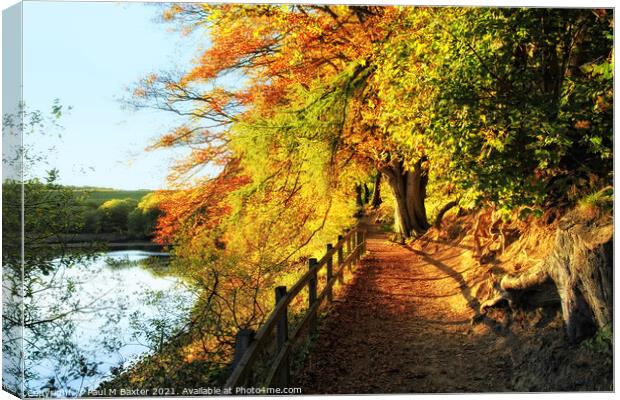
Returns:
(497,299)
(535,276)
(488,236)
(443,211)
(580,266)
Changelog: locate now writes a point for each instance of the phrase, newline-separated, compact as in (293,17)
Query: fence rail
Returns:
(249,345)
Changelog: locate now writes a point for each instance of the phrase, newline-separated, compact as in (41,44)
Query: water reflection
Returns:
(97,316)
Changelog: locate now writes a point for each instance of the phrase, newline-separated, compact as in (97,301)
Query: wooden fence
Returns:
(249,345)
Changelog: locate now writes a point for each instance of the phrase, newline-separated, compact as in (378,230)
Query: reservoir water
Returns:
(119,306)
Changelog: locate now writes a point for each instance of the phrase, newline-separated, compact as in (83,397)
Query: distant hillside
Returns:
(99,196)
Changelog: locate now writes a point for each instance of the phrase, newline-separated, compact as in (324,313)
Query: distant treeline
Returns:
(127,212)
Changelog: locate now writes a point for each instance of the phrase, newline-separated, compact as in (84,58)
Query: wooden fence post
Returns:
(364,238)
(279,371)
(346,231)
(283,375)
(353,248)
(243,339)
(340,259)
(350,249)
(360,245)
(312,294)
(330,269)
(354,245)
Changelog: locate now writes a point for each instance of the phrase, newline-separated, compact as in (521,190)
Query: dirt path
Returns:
(403,325)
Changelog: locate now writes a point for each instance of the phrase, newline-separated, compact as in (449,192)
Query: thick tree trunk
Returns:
(418,194)
(581,266)
(366,194)
(376,192)
(409,190)
(358,196)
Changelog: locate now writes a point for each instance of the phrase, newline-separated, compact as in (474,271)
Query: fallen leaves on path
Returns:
(408,322)
(403,325)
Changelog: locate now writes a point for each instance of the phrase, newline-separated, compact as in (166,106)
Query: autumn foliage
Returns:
(197,208)
(294,105)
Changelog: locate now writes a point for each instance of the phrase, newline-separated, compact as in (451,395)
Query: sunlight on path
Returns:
(403,325)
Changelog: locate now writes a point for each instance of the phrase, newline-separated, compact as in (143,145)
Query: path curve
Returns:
(402,325)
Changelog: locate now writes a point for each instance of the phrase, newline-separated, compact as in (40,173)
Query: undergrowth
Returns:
(601,342)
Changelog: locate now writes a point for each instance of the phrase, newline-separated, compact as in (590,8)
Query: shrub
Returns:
(115,214)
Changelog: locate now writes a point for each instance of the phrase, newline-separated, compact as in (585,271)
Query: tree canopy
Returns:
(454,92)
(510,108)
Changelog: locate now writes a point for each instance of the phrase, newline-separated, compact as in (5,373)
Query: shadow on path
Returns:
(472,301)
(402,326)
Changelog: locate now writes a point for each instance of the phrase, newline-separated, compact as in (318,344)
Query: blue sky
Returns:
(86,55)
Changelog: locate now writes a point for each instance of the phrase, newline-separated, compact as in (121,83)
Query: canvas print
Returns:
(203,199)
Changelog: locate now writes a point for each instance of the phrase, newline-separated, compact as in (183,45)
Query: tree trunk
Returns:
(366,194)
(409,190)
(376,192)
(581,266)
(358,196)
